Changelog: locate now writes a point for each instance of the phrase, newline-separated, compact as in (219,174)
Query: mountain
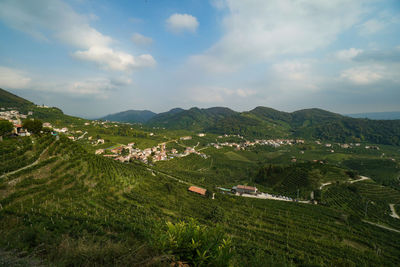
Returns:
(133,116)
(263,122)
(8,99)
(395,115)
(192,119)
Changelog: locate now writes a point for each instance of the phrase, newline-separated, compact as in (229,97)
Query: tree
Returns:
(33,126)
(5,128)
(125,152)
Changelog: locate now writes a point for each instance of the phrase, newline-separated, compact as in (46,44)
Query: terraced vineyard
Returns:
(379,193)
(20,152)
(364,200)
(75,208)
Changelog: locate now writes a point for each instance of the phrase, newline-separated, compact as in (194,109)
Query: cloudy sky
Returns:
(95,57)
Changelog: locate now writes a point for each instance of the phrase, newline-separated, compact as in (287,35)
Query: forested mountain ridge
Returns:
(132,116)
(267,122)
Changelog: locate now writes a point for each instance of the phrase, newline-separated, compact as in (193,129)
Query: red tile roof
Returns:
(198,190)
(246,187)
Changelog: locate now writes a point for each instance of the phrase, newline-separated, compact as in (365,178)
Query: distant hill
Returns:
(8,99)
(132,116)
(394,115)
(192,119)
(266,122)
(48,114)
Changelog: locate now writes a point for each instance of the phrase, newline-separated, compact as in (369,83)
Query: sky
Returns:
(95,57)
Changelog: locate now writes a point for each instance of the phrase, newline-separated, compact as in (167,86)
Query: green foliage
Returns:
(216,214)
(196,244)
(5,127)
(33,126)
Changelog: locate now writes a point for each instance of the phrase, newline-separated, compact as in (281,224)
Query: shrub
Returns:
(195,244)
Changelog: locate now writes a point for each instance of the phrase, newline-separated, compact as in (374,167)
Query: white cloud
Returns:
(178,23)
(379,23)
(218,95)
(257,30)
(295,75)
(292,70)
(348,54)
(41,18)
(364,75)
(245,92)
(141,40)
(98,88)
(371,26)
(13,79)
(114,60)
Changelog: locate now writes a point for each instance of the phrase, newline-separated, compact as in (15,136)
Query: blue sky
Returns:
(92,58)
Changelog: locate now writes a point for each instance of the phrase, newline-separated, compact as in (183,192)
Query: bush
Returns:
(195,244)
(216,214)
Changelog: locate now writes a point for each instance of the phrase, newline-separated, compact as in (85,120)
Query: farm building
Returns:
(197,190)
(244,189)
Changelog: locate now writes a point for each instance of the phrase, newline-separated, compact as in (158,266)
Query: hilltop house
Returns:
(244,189)
(47,124)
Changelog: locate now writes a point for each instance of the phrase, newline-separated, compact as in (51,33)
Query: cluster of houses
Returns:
(345,146)
(12,115)
(269,142)
(126,153)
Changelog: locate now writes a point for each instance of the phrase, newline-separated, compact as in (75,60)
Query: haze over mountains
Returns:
(394,115)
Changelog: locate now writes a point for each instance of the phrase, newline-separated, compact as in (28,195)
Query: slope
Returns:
(132,116)
(8,99)
(76,208)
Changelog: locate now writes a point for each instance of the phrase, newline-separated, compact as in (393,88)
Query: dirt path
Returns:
(153,171)
(363,178)
(382,226)
(394,214)
(323,185)
(27,166)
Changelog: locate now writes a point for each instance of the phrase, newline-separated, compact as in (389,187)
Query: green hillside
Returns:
(78,209)
(8,99)
(50,114)
(132,116)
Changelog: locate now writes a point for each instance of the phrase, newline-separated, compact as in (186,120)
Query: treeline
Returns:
(356,130)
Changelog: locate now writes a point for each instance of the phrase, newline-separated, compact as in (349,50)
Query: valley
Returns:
(92,192)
